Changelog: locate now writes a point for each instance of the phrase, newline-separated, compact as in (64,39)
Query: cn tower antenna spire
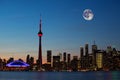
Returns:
(40,23)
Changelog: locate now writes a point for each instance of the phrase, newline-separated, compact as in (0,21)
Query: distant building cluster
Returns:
(106,60)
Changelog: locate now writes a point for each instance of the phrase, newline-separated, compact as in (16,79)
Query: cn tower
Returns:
(40,43)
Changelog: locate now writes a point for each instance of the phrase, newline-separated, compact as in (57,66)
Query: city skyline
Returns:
(63,26)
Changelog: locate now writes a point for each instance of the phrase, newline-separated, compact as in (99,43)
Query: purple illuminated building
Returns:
(17,65)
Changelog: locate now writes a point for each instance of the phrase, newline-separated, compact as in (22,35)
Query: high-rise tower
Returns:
(86,49)
(94,51)
(68,58)
(81,52)
(49,56)
(64,56)
(40,43)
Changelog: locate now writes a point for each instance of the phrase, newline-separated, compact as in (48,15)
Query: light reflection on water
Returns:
(100,75)
(115,75)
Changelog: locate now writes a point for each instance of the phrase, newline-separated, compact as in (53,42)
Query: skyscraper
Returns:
(40,44)
(99,59)
(28,59)
(56,63)
(94,51)
(87,61)
(60,54)
(49,55)
(68,58)
(86,49)
(64,56)
(68,61)
(81,52)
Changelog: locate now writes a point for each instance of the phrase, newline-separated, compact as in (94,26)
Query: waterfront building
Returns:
(74,63)
(49,55)
(99,60)
(56,63)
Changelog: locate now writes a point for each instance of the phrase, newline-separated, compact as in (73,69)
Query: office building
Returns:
(81,52)
(68,58)
(49,55)
(94,51)
(64,57)
(56,63)
(99,60)
(86,50)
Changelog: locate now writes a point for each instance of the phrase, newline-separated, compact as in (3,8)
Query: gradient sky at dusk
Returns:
(63,27)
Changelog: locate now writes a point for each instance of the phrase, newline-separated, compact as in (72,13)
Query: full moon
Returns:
(88,14)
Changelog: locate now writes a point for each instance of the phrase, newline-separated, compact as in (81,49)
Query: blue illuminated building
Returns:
(17,65)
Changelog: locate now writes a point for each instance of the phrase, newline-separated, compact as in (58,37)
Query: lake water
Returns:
(114,75)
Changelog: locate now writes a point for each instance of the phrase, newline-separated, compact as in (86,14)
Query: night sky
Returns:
(63,26)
